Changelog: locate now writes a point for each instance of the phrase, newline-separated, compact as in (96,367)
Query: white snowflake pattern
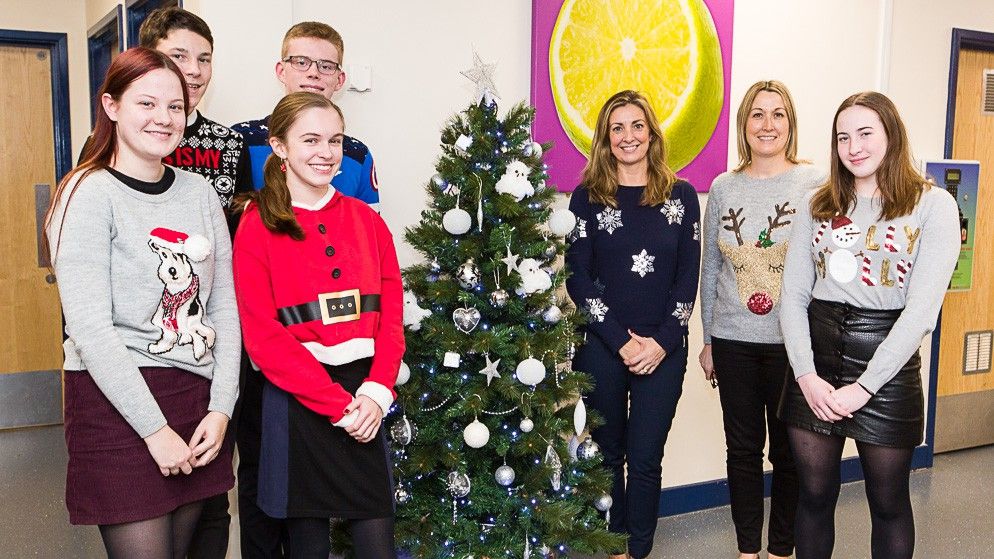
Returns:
(673,210)
(683,312)
(578,232)
(697,231)
(194,142)
(609,220)
(642,263)
(597,309)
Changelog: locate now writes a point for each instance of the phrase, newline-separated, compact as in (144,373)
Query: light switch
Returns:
(360,77)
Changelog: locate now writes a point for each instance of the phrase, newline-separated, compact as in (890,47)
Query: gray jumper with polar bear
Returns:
(145,281)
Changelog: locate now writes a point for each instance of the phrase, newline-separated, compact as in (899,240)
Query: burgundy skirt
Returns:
(111,477)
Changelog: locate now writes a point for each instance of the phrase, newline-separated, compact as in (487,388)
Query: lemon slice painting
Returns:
(667,49)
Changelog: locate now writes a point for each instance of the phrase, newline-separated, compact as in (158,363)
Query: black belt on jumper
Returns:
(341,306)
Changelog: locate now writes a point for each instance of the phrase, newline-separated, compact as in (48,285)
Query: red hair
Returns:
(129,66)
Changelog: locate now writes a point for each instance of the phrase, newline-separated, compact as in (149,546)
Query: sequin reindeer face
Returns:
(759,266)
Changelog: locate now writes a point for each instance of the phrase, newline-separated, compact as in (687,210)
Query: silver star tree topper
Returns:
(482,75)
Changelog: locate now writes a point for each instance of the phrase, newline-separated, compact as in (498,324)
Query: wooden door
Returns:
(30,315)
(965,403)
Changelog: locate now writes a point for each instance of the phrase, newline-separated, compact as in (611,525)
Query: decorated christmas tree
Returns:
(489,433)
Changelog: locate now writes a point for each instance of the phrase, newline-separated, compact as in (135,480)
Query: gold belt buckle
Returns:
(351,309)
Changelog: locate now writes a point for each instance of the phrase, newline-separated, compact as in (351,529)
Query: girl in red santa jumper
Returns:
(319,289)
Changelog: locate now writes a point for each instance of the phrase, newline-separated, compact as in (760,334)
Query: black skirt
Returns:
(844,339)
(308,468)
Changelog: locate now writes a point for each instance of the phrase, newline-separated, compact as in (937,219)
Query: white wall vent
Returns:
(977,352)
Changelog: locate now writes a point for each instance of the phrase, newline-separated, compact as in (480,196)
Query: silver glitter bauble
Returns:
(403,431)
(603,503)
(468,274)
(466,319)
(550,251)
(504,475)
(401,495)
(458,484)
(526,425)
(438,180)
(435,266)
(553,314)
(500,298)
(588,449)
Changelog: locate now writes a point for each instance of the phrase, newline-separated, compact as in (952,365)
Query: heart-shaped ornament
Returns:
(466,319)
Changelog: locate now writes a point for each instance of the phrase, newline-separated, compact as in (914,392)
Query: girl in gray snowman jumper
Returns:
(870,256)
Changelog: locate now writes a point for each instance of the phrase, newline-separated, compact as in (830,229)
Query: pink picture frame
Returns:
(565,162)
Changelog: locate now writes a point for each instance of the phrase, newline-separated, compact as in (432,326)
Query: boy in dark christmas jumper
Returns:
(216,153)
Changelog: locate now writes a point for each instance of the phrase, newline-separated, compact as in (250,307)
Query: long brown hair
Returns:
(129,66)
(600,175)
(899,182)
(275,205)
(742,119)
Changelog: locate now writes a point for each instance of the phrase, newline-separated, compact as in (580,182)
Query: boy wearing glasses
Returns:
(311,61)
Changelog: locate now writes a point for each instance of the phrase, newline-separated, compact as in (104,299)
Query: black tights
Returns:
(309,538)
(886,470)
(163,537)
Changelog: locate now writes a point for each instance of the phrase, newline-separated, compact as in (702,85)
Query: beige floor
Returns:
(954,510)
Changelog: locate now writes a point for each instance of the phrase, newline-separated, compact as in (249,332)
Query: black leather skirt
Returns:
(844,339)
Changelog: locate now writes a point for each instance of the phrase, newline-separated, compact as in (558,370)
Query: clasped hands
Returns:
(641,355)
(367,420)
(831,404)
(172,455)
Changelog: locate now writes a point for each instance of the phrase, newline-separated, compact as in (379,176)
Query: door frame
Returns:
(98,45)
(136,12)
(57,46)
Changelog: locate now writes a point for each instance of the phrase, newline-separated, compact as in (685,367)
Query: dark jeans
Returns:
(638,412)
(750,381)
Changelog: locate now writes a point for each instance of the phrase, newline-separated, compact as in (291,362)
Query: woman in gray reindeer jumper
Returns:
(746,226)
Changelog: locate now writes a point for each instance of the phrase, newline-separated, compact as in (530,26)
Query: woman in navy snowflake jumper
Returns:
(634,258)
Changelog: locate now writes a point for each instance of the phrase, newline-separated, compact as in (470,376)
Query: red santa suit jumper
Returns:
(322,320)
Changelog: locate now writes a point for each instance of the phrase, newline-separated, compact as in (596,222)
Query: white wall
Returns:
(823,51)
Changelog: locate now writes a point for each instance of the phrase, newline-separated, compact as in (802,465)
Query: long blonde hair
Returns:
(600,175)
(742,119)
(275,204)
(898,180)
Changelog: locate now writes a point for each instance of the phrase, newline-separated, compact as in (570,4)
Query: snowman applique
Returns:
(842,264)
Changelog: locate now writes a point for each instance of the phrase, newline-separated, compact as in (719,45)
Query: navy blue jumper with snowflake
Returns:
(636,267)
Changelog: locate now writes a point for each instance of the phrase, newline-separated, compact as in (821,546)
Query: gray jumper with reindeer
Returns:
(145,281)
(746,228)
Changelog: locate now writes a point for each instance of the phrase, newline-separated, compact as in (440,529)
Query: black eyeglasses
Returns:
(303,63)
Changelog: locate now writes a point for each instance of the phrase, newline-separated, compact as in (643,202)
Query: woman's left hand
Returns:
(852,397)
(206,441)
(648,359)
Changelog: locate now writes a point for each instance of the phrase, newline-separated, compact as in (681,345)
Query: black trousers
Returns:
(261,536)
(750,381)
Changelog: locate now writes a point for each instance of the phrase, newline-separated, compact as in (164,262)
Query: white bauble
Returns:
(403,374)
(526,425)
(603,503)
(476,434)
(562,222)
(579,417)
(531,371)
(457,221)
